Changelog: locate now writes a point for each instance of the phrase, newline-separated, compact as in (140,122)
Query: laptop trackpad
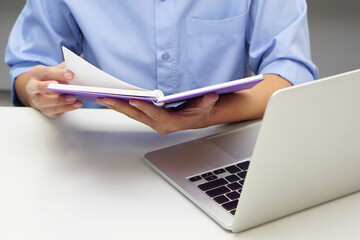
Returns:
(239,143)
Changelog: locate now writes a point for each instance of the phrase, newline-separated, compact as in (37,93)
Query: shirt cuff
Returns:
(294,72)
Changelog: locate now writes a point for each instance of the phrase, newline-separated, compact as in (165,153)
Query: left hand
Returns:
(195,115)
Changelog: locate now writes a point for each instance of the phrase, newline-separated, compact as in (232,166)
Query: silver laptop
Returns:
(304,152)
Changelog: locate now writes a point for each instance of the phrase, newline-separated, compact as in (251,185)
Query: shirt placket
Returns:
(165,45)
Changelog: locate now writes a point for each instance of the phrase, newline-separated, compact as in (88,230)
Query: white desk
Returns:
(83,176)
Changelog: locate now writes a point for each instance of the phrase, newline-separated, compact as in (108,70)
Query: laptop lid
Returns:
(307,151)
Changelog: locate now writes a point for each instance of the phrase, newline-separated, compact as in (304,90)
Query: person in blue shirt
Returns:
(172,45)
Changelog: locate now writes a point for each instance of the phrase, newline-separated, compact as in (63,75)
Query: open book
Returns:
(86,85)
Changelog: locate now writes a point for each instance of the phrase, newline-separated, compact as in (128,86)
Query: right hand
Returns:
(50,103)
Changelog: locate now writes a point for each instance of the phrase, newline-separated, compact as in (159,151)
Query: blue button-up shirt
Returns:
(172,45)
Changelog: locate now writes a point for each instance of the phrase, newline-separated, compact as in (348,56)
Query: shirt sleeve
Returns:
(278,40)
(37,36)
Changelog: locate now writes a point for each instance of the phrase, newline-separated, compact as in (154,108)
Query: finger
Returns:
(44,73)
(58,110)
(203,104)
(71,76)
(159,119)
(154,112)
(125,108)
(100,101)
(206,101)
(34,87)
(210,99)
(45,101)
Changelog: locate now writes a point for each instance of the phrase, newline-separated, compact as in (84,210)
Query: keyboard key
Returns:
(233,195)
(219,171)
(206,174)
(210,178)
(230,205)
(194,179)
(217,191)
(243,165)
(241,182)
(213,184)
(242,174)
(233,169)
(232,178)
(234,186)
(221,199)
(233,212)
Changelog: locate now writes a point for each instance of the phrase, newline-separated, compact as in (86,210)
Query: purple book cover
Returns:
(223,88)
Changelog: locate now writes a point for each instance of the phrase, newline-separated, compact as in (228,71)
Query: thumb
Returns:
(209,100)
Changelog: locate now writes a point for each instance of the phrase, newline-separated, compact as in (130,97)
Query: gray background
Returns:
(334,30)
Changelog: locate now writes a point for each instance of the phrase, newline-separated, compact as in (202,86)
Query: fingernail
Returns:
(67,75)
(100,101)
(213,97)
(134,104)
(108,102)
(70,98)
(77,105)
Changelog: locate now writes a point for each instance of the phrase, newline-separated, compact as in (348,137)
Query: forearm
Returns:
(245,105)
(20,88)
(202,112)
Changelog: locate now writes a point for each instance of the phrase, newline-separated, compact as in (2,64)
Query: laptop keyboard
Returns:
(223,185)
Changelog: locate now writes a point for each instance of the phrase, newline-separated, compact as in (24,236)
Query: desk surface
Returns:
(83,176)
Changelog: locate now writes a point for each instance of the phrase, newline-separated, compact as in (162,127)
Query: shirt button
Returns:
(165,56)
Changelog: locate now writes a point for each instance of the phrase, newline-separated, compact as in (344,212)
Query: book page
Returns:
(86,74)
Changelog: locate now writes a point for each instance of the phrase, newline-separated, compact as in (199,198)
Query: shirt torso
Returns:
(164,44)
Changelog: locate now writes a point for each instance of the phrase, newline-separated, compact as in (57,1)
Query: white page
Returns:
(113,91)
(85,74)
